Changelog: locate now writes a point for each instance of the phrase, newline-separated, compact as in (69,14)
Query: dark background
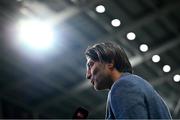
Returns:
(53,85)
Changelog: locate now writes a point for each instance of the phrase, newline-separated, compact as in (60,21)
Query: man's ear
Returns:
(110,66)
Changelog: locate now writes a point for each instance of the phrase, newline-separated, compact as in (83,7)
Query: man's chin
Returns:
(98,88)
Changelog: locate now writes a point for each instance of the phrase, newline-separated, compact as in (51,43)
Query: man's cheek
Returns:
(95,71)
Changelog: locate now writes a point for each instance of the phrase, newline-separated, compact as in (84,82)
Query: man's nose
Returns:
(88,74)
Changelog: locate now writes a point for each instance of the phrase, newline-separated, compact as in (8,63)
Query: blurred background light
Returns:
(166,68)
(156,58)
(116,22)
(35,34)
(131,36)
(143,47)
(176,78)
(100,9)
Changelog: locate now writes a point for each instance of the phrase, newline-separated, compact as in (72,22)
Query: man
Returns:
(130,96)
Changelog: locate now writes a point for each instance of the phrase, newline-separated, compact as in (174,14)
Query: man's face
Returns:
(99,74)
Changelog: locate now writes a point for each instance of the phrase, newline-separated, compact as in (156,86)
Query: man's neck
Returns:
(116,75)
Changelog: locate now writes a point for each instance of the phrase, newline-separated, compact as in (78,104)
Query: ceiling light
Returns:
(176,78)
(100,9)
(116,22)
(166,68)
(131,36)
(143,47)
(156,58)
(35,34)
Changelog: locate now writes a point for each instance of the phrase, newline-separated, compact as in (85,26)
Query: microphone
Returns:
(80,113)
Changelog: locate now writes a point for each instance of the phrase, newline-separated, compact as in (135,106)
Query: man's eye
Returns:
(90,64)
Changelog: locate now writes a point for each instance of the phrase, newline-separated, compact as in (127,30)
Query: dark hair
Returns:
(109,52)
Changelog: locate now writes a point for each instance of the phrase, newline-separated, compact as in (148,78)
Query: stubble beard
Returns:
(103,81)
